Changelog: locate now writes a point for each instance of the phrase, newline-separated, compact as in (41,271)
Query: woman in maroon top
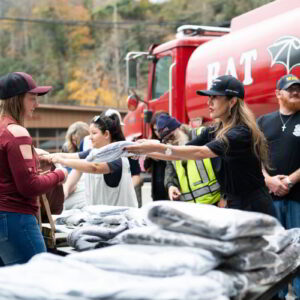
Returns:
(20,183)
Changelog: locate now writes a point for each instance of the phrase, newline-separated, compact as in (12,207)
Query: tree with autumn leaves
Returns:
(79,46)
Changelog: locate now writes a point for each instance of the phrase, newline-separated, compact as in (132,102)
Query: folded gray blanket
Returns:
(88,237)
(110,152)
(153,235)
(150,260)
(211,221)
(59,278)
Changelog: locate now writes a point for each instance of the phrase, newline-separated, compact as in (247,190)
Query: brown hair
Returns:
(13,107)
(112,125)
(241,115)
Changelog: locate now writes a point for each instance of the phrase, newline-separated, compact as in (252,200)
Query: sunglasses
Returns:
(96,119)
(169,138)
(293,89)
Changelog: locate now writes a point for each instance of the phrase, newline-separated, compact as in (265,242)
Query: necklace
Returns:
(283,124)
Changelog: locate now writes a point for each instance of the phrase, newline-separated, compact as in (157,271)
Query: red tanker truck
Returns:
(258,48)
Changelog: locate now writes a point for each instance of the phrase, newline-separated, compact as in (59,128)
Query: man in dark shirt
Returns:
(282,130)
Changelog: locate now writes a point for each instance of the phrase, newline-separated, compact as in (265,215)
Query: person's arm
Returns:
(40,151)
(158,151)
(293,178)
(50,156)
(22,165)
(83,166)
(136,180)
(70,185)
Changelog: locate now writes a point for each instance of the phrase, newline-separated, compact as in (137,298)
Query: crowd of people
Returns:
(236,162)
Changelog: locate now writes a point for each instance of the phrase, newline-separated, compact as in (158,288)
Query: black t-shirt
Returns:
(237,169)
(284,146)
(114,177)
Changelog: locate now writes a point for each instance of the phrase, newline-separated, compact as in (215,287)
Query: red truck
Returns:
(258,48)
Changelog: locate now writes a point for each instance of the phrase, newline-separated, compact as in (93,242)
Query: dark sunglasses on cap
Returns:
(96,119)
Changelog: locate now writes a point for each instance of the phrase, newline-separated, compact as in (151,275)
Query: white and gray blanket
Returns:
(210,221)
(153,235)
(110,152)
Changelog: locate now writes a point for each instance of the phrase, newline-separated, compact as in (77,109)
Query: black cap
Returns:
(18,83)
(286,81)
(226,85)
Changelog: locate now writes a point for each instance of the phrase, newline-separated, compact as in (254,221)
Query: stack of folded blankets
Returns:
(95,226)
(186,251)
(253,248)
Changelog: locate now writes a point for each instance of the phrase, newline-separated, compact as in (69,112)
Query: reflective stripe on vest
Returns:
(197,180)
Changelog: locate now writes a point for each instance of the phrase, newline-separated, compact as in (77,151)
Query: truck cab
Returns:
(166,78)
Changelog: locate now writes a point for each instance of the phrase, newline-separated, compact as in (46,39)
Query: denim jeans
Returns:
(20,238)
(288,213)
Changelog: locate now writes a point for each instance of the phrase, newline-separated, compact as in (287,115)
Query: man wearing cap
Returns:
(187,180)
(20,181)
(282,130)
(235,139)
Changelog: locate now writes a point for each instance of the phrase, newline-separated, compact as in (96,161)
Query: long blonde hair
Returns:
(13,107)
(240,114)
(78,129)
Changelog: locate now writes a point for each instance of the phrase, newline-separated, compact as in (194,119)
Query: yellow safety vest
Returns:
(197,180)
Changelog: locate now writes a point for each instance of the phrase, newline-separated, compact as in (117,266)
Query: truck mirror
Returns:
(131,69)
(132,102)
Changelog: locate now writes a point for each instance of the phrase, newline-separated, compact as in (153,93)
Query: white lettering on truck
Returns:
(212,73)
(246,59)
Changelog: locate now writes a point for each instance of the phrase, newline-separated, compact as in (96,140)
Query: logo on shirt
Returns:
(297,130)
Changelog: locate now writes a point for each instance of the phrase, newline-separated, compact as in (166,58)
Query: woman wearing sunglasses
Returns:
(105,183)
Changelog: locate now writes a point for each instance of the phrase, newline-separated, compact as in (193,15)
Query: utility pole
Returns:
(117,54)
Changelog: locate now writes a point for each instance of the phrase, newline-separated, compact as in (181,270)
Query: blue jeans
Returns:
(20,238)
(288,213)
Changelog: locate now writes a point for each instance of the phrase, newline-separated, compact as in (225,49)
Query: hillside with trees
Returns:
(79,46)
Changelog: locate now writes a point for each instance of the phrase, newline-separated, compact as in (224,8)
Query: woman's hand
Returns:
(52,158)
(143,147)
(277,185)
(57,159)
(65,173)
(41,152)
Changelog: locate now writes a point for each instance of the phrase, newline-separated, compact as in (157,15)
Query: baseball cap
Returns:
(225,85)
(166,124)
(110,112)
(286,81)
(18,83)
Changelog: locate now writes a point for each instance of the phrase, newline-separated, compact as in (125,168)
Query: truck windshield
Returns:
(161,77)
